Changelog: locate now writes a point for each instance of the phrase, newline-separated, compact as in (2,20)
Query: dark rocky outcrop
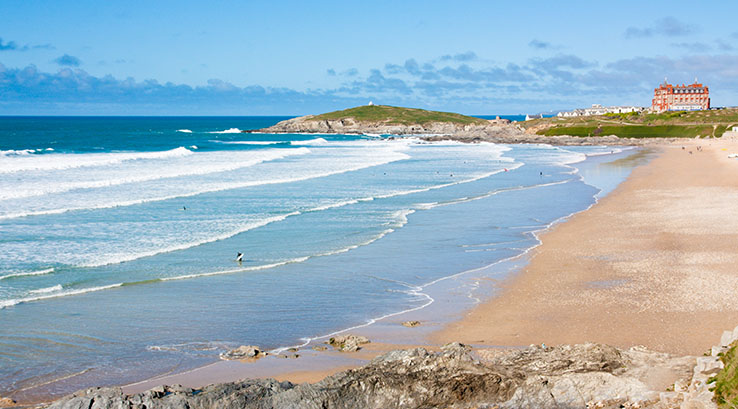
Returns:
(579,376)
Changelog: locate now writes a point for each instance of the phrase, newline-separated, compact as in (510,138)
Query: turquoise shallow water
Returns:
(118,236)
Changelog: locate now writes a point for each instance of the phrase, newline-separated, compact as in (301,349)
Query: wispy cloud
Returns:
(542,45)
(724,46)
(13,46)
(452,85)
(461,57)
(76,91)
(693,47)
(7,46)
(667,26)
(67,60)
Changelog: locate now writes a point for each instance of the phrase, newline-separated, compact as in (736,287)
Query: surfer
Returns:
(239,257)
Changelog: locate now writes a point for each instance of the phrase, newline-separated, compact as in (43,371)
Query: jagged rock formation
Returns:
(348,342)
(243,352)
(6,402)
(578,376)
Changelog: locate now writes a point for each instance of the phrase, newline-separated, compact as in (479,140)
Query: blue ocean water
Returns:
(118,236)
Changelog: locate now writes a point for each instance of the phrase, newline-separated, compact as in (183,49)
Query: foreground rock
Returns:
(6,402)
(348,343)
(579,376)
(243,352)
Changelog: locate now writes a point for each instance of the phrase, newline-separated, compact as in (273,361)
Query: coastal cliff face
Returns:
(579,376)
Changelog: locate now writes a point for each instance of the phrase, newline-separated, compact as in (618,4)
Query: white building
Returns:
(598,109)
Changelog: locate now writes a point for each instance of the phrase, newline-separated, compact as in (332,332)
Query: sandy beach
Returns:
(653,264)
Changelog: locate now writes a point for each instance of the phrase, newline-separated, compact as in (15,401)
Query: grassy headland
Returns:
(397,115)
(678,124)
(726,382)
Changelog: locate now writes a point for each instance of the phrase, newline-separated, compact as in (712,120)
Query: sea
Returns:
(119,236)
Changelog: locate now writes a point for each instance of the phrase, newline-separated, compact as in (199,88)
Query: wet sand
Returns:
(654,263)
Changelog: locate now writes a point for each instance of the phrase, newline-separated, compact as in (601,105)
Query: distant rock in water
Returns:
(411,324)
(578,376)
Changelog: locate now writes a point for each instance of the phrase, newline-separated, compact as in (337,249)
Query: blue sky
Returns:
(298,57)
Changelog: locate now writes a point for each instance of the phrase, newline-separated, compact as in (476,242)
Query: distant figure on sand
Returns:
(239,257)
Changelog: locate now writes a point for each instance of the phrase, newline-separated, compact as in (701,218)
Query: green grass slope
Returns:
(726,381)
(634,131)
(398,115)
(678,124)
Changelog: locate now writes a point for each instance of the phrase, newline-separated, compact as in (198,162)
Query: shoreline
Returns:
(386,329)
(659,276)
(386,333)
(326,363)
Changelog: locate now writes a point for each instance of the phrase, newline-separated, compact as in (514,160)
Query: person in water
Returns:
(239,257)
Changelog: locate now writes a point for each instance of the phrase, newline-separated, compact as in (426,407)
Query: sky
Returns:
(489,57)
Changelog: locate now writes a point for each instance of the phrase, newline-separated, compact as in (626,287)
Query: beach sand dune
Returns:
(655,263)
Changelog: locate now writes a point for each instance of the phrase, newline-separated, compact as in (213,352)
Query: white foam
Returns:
(29,273)
(310,142)
(56,161)
(239,270)
(123,257)
(19,152)
(16,301)
(209,188)
(229,130)
(184,130)
(202,164)
(252,142)
(46,290)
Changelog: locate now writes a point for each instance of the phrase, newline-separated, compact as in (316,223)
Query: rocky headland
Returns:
(433,126)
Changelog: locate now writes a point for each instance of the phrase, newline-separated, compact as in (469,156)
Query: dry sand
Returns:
(655,263)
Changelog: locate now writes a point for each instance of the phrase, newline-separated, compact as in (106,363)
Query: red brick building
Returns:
(693,97)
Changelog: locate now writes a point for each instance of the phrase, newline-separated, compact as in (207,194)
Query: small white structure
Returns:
(598,109)
(371,104)
(534,116)
(735,129)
